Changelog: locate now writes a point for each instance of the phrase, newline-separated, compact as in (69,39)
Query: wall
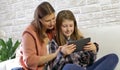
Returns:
(16,14)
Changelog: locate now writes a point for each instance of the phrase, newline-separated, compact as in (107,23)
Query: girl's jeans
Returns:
(107,62)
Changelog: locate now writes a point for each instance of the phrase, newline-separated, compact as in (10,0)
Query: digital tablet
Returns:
(80,43)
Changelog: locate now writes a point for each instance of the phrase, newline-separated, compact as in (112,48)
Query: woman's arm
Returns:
(30,57)
(47,58)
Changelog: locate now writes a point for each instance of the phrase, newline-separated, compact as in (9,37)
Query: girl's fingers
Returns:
(72,47)
(87,47)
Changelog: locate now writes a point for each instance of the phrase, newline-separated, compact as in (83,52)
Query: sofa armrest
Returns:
(3,65)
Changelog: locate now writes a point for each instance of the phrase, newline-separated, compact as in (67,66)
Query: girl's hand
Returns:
(90,47)
(68,49)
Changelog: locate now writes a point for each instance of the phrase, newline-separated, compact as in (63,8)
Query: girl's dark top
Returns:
(82,58)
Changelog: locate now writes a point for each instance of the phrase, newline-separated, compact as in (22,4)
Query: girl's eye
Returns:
(64,25)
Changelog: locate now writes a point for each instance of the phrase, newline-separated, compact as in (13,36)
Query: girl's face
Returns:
(48,21)
(67,27)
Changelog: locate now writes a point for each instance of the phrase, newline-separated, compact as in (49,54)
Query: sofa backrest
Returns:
(108,39)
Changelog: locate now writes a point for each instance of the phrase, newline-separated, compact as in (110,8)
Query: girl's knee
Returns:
(72,67)
(67,67)
(113,57)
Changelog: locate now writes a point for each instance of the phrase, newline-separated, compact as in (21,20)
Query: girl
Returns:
(66,30)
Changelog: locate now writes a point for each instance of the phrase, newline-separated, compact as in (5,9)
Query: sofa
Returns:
(9,64)
(108,38)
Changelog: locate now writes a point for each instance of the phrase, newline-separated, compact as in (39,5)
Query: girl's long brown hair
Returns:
(41,11)
(63,15)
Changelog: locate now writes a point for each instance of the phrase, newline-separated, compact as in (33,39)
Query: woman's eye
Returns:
(71,25)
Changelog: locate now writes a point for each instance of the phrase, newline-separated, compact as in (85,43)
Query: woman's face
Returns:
(67,27)
(48,21)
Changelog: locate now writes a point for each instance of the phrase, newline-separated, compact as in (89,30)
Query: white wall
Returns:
(16,14)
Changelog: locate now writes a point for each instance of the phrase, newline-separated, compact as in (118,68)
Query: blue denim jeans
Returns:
(107,62)
(17,68)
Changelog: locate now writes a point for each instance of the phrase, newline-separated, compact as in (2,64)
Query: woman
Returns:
(36,37)
(67,59)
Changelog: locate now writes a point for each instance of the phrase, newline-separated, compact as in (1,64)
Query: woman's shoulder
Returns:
(29,28)
(29,31)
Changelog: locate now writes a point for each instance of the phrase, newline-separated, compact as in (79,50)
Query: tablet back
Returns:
(80,43)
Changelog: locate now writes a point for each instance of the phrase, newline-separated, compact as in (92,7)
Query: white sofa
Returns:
(9,64)
(107,37)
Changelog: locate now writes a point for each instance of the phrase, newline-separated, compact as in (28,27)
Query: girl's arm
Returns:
(60,60)
(91,47)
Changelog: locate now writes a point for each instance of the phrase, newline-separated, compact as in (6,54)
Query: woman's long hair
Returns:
(65,15)
(41,11)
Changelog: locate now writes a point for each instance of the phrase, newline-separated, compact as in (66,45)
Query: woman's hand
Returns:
(68,49)
(46,40)
(90,47)
(58,50)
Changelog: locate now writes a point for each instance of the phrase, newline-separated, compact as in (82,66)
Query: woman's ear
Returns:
(41,20)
